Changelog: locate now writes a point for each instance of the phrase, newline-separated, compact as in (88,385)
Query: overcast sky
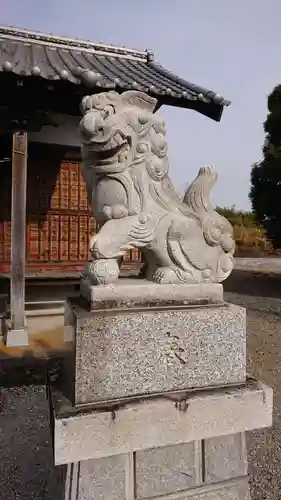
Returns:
(231,47)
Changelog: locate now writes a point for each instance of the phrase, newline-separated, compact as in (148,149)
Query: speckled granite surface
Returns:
(26,466)
(143,352)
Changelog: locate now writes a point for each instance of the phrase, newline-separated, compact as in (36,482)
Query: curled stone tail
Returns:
(197,195)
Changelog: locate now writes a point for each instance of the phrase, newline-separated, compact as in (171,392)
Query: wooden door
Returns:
(59,221)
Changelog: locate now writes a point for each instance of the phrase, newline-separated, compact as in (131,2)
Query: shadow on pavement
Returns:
(253,283)
(28,370)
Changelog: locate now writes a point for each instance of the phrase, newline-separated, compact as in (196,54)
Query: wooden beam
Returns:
(18,335)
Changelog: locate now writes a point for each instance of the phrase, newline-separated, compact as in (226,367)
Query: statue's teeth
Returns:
(119,140)
(114,142)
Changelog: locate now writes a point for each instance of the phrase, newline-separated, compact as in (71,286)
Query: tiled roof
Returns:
(100,67)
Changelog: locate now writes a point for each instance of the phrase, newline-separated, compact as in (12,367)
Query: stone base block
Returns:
(129,292)
(124,353)
(112,479)
(16,338)
(163,449)
(159,422)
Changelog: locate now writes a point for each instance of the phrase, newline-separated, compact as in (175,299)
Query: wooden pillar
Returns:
(17,336)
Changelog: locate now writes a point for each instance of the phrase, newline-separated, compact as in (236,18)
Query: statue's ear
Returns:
(139,99)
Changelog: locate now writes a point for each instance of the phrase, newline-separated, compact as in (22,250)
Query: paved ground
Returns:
(26,469)
(263,264)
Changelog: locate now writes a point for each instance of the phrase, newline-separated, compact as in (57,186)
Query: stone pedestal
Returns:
(155,401)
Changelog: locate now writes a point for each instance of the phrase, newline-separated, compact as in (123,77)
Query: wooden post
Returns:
(18,335)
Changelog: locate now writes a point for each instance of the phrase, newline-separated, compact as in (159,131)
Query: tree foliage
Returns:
(265,193)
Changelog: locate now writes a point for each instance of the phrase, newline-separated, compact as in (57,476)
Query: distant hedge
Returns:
(238,217)
(247,233)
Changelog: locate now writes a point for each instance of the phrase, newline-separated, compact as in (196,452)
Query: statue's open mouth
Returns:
(105,152)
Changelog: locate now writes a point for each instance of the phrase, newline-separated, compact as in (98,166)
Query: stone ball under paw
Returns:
(104,271)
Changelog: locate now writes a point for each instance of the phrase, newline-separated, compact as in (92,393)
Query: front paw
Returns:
(115,212)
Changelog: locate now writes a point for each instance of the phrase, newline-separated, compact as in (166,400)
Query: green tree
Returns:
(265,193)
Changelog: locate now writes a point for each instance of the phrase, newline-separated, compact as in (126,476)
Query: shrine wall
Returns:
(59,221)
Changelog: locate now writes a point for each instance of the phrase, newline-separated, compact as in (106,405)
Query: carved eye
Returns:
(108,111)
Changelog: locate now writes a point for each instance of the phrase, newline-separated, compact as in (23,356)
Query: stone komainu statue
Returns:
(125,167)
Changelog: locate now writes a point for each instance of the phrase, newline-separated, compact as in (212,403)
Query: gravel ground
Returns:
(264,362)
(26,469)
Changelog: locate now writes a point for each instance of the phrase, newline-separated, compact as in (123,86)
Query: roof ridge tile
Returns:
(74,43)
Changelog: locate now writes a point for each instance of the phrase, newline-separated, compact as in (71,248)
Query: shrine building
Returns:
(44,206)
